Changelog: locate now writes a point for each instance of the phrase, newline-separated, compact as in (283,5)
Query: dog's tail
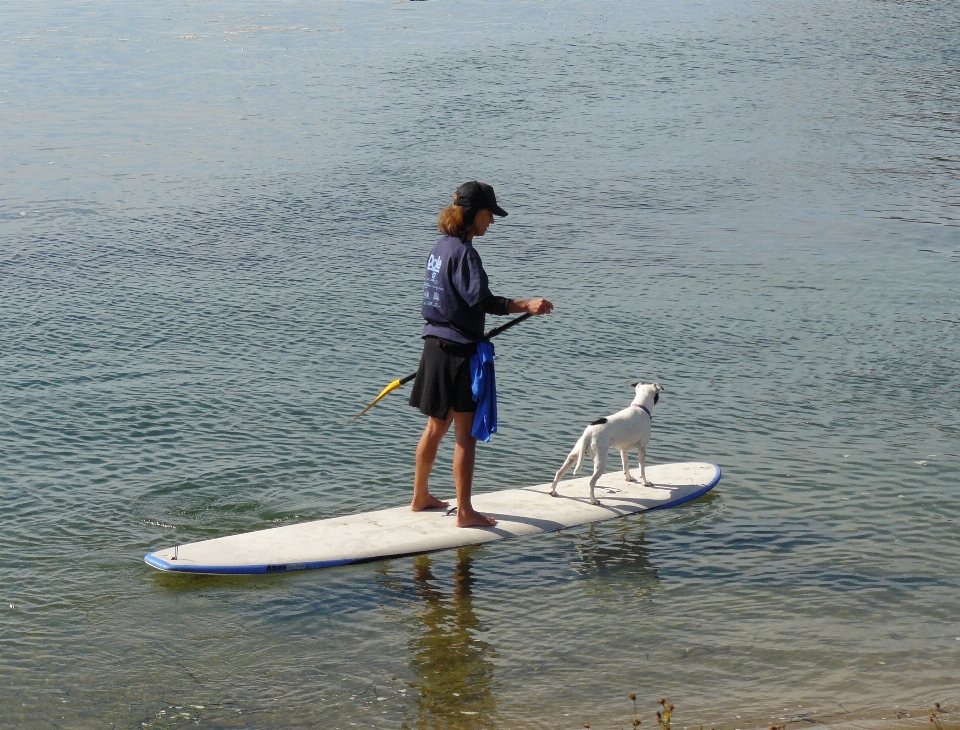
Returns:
(580,449)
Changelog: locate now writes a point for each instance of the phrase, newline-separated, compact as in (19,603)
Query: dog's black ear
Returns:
(634,385)
(656,397)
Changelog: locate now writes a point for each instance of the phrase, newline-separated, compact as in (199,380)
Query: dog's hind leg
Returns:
(625,458)
(642,453)
(575,455)
(599,464)
(563,470)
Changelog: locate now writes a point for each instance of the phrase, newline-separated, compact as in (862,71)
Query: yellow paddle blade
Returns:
(383,394)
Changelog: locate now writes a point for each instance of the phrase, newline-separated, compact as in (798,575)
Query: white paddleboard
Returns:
(398,531)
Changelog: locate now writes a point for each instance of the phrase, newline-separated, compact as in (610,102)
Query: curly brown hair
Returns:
(451,221)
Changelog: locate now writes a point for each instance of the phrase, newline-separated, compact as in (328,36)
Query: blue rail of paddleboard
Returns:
(161,564)
(693,495)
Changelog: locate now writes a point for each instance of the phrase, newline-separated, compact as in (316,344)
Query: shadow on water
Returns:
(192,582)
(617,554)
(452,666)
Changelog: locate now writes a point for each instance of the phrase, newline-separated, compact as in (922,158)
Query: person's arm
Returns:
(501,306)
(495,305)
(471,283)
(533,306)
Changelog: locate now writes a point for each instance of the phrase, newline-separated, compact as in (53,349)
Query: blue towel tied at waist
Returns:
(484,392)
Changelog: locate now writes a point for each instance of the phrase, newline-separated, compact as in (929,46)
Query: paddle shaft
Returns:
(397,383)
(492,333)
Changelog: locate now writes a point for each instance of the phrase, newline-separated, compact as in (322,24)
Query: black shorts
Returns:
(443,378)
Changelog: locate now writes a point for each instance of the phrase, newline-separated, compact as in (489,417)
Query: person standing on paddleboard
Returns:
(456,300)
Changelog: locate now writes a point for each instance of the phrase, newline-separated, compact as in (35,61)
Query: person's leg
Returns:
(426,455)
(463,460)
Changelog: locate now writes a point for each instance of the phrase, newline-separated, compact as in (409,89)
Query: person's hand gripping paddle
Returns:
(402,381)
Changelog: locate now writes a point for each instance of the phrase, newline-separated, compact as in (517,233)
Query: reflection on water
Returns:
(451,663)
(618,554)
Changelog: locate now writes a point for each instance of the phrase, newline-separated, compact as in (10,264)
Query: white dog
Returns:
(625,430)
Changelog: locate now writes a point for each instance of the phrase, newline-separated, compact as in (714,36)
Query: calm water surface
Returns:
(214,218)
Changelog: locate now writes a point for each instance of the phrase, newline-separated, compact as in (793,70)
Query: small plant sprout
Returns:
(935,716)
(663,719)
(636,717)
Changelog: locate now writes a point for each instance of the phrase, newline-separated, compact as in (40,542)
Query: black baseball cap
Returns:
(475,196)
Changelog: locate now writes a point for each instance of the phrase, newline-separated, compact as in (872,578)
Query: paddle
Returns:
(397,383)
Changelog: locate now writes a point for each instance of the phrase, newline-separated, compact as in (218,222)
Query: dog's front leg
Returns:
(625,458)
(642,453)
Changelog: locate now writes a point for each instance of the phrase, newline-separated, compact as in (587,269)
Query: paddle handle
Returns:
(504,327)
(492,333)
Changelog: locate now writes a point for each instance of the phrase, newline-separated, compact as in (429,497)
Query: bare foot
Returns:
(430,502)
(474,519)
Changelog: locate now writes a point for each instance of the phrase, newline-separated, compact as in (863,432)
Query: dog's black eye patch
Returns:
(599,421)
(656,397)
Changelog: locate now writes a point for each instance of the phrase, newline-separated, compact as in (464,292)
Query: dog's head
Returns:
(645,392)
